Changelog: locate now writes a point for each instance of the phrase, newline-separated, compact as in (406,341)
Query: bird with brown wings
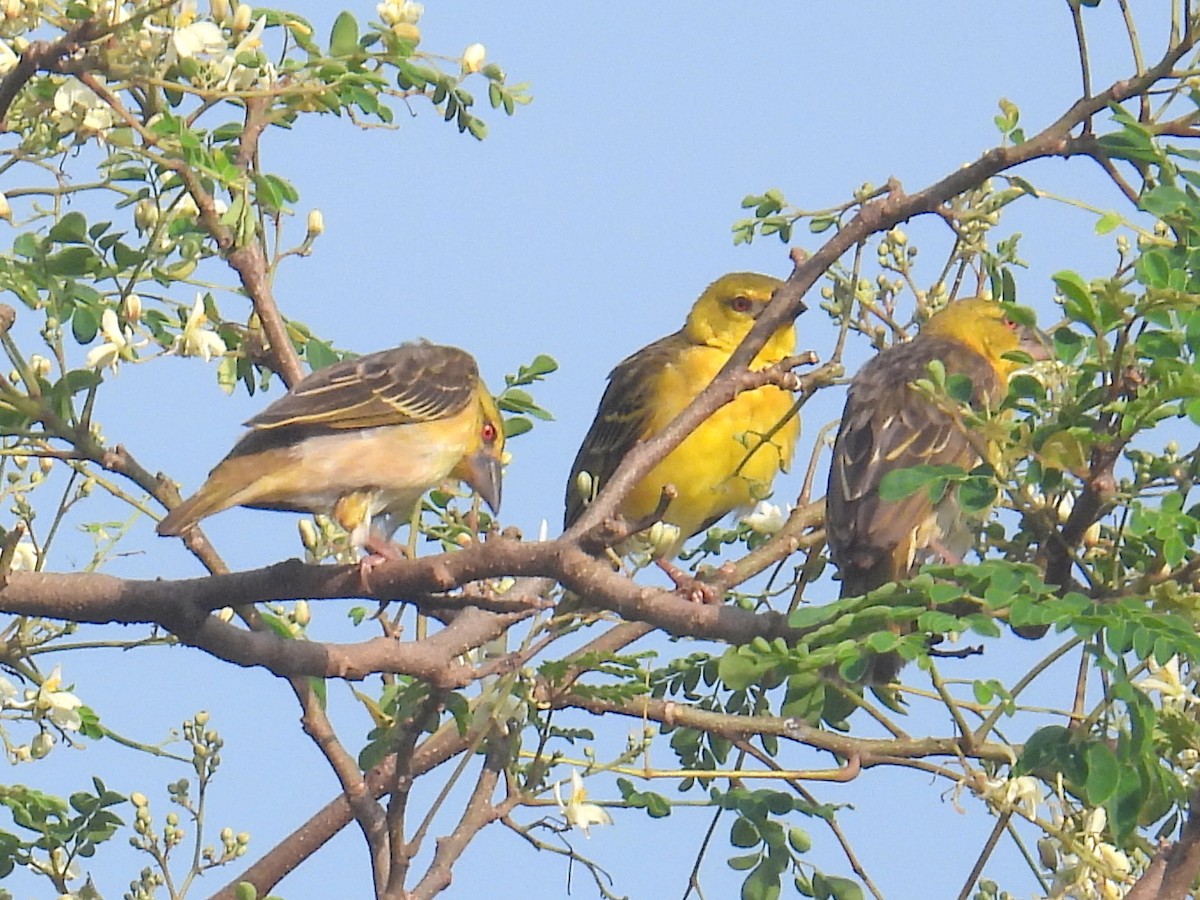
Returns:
(362,440)
(889,425)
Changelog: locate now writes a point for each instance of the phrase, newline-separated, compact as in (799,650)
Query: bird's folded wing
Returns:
(624,417)
(888,426)
(408,384)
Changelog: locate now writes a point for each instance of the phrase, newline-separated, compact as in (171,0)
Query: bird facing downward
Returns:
(731,458)
(362,440)
(888,425)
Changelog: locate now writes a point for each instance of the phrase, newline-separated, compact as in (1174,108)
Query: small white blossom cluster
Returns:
(1092,869)
(196,338)
(402,16)
(395,12)
(224,61)
(46,705)
(211,55)
(1166,681)
(1076,877)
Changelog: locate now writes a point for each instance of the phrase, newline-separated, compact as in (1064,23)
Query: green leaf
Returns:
(1153,269)
(901,483)
(70,229)
(763,883)
(843,888)
(1108,222)
(84,324)
(320,354)
(799,839)
(977,494)
(1103,773)
(73,261)
(343,40)
(744,834)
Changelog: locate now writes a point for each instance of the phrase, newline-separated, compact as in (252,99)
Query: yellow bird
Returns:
(730,460)
(888,425)
(362,440)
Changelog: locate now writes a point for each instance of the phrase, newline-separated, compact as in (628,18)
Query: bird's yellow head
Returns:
(726,311)
(984,326)
(482,464)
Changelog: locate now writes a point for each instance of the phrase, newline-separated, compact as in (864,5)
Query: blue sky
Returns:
(584,228)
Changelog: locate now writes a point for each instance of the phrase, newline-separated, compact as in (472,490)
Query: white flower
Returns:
(1023,794)
(8,691)
(394,12)
(61,707)
(578,812)
(116,341)
(473,57)
(1166,681)
(25,559)
(8,58)
(196,340)
(235,76)
(198,38)
(74,98)
(765,518)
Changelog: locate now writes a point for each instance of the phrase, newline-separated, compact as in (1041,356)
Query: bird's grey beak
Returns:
(1035,342)
(481,471)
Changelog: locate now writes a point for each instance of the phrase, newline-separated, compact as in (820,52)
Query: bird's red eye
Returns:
(1010,324)
(488,432)
(741,304)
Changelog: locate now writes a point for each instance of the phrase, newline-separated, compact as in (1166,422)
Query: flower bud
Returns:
(131,308)
(220,10)
(316,224)
(302,615)
(242,17)
(5,208)
(406,31)
(308,534)
(42,745)
(145,215)
(472,58)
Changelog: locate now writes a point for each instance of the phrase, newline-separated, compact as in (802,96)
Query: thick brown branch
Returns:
(1174,869)
(181,606)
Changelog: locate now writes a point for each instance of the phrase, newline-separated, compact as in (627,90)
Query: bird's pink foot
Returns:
(379,550)
(691,587)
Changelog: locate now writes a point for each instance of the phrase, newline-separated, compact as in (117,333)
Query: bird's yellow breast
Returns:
(729,461)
